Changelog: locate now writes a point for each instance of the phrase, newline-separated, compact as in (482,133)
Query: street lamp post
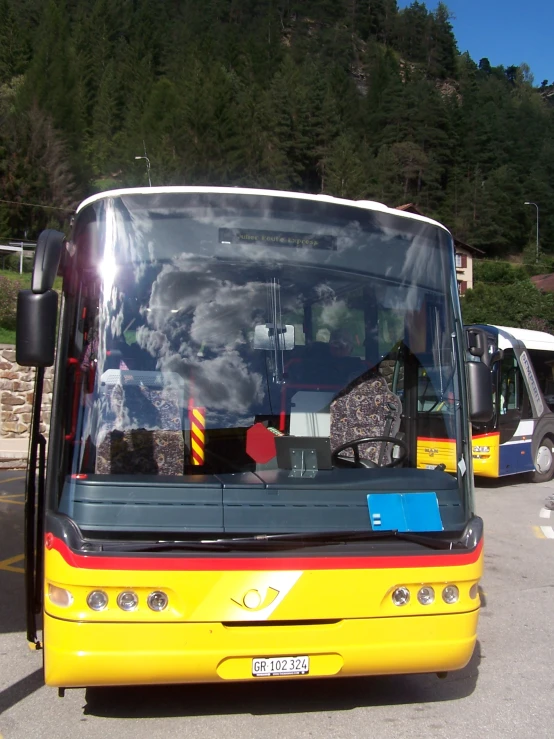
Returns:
(537,207)
(147,168)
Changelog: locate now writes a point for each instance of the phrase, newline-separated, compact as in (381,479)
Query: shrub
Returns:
(11,263)
(518,304)
(8,302)
(497,272)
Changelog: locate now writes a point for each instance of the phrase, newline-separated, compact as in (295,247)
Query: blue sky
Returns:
(506,31)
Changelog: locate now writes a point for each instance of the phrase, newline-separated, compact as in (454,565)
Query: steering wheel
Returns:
(355,444)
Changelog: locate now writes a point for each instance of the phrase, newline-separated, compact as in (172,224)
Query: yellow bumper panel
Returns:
(88,654)
(486,454)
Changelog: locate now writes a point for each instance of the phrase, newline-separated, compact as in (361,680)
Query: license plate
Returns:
(270,666)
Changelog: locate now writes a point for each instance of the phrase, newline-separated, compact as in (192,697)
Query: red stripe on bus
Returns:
(149,562)
(486,436)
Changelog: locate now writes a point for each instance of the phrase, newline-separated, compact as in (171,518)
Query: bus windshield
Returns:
(219,341)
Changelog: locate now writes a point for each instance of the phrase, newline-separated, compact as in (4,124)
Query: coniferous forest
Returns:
(355,98)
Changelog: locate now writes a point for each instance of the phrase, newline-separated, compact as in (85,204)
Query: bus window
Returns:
(513,397)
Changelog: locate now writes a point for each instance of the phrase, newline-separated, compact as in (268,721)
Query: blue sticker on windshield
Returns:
(404,512)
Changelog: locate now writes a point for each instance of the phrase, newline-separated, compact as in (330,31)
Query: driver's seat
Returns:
(366,407)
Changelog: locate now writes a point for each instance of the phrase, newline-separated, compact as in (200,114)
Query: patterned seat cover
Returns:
(141,432)
(366,407)
(141,452)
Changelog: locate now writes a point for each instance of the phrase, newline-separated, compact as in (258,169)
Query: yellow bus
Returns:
(232,488)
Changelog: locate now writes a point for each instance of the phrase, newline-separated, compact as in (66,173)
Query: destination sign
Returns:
(277,238)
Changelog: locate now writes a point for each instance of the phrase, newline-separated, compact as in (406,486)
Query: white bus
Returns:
(520,436)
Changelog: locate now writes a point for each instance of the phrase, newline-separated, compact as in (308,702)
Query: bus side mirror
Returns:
(47,260)
(476,342)
(37,308)
(36,328)
(479,380)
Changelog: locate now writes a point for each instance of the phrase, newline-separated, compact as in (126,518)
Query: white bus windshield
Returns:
(210,329)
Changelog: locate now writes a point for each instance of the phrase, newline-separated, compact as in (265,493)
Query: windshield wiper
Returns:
(281,541)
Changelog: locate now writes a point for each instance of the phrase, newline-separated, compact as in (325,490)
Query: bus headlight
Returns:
(157,601)
(426,596)
(450,594)
(401,596)
(127,600)
(97,600)
(59,596)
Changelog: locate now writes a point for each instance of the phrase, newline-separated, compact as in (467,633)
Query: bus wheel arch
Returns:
(544,460)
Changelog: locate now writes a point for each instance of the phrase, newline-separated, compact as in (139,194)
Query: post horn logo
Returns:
(253,600)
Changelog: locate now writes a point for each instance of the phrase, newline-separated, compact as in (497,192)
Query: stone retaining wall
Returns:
(17,386)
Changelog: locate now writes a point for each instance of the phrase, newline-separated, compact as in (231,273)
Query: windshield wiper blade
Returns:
(281,541)
(161,546)
(339,537)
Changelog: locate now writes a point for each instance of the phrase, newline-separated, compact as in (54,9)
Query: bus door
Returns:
(515,417)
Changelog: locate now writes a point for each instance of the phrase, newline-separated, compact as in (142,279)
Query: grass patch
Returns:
(6,336)
(25,279)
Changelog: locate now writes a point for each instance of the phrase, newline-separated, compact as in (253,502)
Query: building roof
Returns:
(409,208)
(412,208)
(544,282)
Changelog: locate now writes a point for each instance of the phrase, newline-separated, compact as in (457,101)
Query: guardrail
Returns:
(18,246)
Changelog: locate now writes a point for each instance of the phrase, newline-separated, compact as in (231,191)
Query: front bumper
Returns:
(79,654)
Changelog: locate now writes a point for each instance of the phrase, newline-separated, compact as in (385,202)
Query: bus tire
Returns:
(544,462)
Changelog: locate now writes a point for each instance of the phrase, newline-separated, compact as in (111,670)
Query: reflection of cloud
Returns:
(422,264)
(116,322)
(215,309)
(401,297)
(334,313)
(156,343)
(351,236)
(181,285)
(324,291)
(224,383)
(231,312)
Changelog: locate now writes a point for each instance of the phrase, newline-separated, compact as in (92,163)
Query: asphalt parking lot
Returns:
(505,691)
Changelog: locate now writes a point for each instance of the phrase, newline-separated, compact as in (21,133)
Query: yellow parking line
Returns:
(12,479)
(9,500)
(7,564)
(538,532)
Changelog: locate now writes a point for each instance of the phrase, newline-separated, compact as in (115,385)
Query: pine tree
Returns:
(346,175)
(13,49)
(50,80)
(106,123)
(443,52)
